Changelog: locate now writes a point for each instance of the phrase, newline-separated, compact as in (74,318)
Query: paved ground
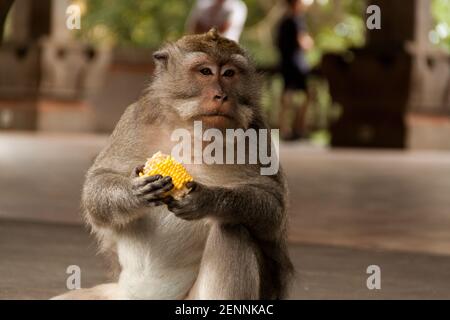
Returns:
(370,199)
(349,209)
(35,257)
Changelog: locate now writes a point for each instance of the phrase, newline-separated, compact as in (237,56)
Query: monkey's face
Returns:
(217,84)
(208,80)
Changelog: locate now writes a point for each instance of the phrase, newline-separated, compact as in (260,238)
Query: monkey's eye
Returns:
(206,71)
(229,73)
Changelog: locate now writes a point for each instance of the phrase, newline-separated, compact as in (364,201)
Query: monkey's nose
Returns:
(221,97)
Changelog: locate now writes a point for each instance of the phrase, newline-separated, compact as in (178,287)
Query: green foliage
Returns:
(143,23)
(335,26)
(148,23)
(441,33)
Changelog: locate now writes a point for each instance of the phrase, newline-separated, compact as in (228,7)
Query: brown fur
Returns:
(229,232)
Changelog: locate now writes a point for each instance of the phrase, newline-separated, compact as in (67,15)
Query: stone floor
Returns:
(349,209)
(35,256)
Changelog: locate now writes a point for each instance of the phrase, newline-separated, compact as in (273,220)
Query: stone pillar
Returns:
(428,117)
(395,73)
(46,72)
(19,62)
(5,6)
(59,31)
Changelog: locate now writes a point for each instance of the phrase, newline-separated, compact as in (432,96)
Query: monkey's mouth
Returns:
(216,114)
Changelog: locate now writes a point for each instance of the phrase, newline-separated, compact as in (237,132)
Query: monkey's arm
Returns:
(107,197)
(113,193)
(112,199)
(259,204)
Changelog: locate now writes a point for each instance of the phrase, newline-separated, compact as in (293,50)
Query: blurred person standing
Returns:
(228,16)
(293,41)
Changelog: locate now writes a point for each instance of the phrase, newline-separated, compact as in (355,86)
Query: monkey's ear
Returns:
(161,57)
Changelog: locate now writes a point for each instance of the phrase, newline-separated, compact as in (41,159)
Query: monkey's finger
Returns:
(181,209)
(152,186)
(167,200)
(153,178)
(159,193)
(137,170)
(144,181)
(163,189)
(141,187)
(192,185)
(173,204)
(157,184)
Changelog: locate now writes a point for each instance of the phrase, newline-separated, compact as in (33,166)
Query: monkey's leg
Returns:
(108,291)
(230,266)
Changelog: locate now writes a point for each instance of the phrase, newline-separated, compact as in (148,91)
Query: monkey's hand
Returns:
(150,190)
(195,204)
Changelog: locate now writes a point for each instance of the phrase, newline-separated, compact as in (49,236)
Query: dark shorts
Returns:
(294,79)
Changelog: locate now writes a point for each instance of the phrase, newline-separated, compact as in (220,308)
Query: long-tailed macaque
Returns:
(226,238)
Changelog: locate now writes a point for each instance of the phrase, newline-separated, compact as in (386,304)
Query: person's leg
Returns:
(300,116)
(285,107)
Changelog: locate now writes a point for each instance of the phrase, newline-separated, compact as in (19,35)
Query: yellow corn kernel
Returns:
(166,165)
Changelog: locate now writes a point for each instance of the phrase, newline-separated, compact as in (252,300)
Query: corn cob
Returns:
(166,165)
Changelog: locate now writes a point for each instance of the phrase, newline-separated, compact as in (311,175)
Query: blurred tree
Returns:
(143,23)
(147,23)
(440,35)
(336,25)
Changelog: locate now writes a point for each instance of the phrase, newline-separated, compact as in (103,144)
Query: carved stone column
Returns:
(396,73)
(46,73)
